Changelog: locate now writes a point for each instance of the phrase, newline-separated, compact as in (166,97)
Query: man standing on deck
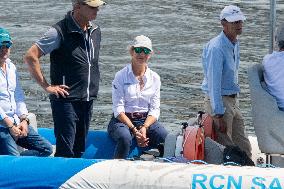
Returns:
(220,60)
(73,44)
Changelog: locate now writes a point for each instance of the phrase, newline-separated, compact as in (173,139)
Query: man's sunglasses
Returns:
(7,44)
(236,22)
(139,50)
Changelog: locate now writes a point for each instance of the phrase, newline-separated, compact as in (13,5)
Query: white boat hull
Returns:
(122,174)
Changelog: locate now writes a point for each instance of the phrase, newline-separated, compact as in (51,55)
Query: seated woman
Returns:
(136,102)
(14,123)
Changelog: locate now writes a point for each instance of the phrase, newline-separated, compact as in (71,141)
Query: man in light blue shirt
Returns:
(14,123)
(220,59)
(273,65)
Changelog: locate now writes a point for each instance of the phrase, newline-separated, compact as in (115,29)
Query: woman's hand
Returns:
(141,137)
(15,132)
(23,126)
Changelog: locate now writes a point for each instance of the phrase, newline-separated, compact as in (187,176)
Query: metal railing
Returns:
(272,24)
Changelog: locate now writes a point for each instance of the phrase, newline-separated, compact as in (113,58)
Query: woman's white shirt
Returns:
(127,96)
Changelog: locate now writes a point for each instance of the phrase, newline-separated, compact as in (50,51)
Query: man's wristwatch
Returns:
(25,119)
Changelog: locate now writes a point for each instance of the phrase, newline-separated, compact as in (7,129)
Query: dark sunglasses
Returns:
(7,44)
(236,22)
(139,50)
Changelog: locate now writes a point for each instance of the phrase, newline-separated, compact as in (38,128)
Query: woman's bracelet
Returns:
(145,126)
(25,118)
(9,126)
(133,130)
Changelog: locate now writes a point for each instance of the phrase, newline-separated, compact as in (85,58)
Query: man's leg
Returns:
(8,145)
(84,112)
(120,133)
(239,136)
(235,125)
(223,138)
(36,145)
(65,119)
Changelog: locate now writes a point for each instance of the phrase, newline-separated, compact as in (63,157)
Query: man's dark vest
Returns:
(69,63)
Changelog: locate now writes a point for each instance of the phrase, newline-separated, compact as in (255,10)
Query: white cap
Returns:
(232,14)
(91,3)
(142,41)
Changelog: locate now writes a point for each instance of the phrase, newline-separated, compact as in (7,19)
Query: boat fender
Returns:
(193,143)
(206,121)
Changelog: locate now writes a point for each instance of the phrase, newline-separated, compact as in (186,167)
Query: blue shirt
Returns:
(12,103)
(273,65)
(220,60)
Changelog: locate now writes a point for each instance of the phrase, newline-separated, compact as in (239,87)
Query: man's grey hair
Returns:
(280,36)
(281,44)
(74,2)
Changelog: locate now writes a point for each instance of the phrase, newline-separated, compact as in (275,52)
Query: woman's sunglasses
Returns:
(6,44)
(139,50)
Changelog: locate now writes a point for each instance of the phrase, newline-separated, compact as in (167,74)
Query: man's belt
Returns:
(136,115)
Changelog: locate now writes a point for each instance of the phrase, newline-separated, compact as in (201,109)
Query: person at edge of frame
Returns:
(273,71)
(15,127)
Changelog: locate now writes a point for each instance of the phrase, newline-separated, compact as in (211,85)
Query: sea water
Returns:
(178,29)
